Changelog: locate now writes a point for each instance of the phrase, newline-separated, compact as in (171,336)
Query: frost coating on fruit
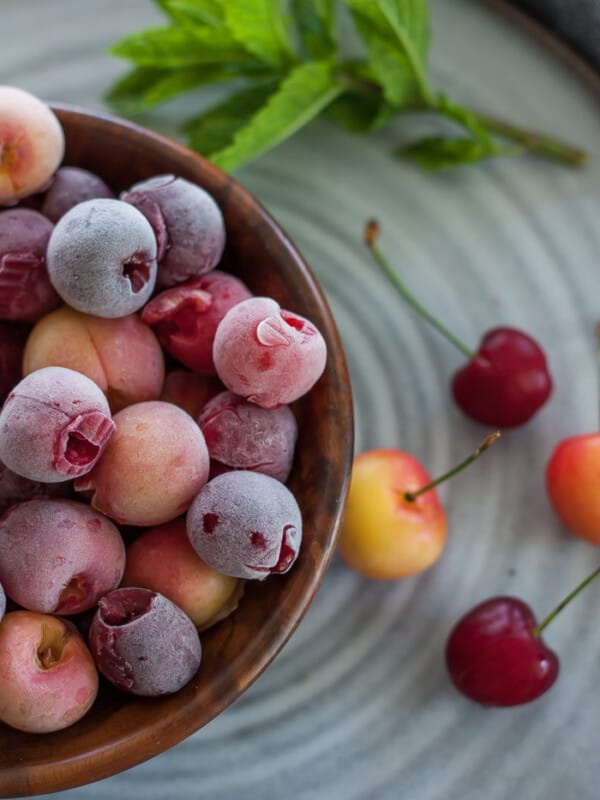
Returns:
(54,425)
(31,144)
(144,643)
(58,556)
(153,467)
(242,435)
(246,525)
(48,678)
(266,354)
(70,186)
(25,289)
(187,222)
(102,258)
(186,317)
(2,602)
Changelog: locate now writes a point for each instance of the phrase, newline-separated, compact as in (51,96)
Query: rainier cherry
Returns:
(505,381)
(394,524)
(495,654)
(572,477)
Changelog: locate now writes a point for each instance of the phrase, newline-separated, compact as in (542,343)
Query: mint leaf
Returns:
(395,34)
(260,27)
(205,12)
(145,87)
(215,129)
(438,153)
(180,47)
(304,93)
(316,25)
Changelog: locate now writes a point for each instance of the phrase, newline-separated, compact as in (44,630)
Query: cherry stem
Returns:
(487,442)
(371,234)
(537,631)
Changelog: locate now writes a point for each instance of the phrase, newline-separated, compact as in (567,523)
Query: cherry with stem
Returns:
(505,381)
(395,525)
(495,654)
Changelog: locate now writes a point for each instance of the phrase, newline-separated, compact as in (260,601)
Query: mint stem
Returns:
(371,234)
(532,141)
(535,142)
(537,631)
(487,442)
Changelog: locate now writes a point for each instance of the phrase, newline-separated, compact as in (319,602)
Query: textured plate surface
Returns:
(358,704)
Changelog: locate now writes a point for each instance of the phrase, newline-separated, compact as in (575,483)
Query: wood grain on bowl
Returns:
(121,731)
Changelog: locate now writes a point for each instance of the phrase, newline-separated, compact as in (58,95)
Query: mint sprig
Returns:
(286,66)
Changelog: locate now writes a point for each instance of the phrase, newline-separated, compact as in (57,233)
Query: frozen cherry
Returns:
(143,643)
(266,354)
(101,258)
(25,289)
(70,186)
(2,602)
(245,524)
(58,556)
(186,317)
(54,425)
(188,224)
(494,656)
(505,381)
(242,435)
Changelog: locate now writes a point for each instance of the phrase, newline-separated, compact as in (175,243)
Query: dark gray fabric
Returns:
(577,21)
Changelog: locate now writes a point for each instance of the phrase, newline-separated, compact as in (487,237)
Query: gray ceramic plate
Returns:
(358,704)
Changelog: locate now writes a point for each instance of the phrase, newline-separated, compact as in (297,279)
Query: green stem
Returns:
(532,141)
(536,142)
(487,442)
(537,631)
(371,233)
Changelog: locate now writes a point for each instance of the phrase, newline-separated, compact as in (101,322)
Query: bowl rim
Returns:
(19,779)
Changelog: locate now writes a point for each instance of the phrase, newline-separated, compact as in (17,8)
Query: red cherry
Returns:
(495,656)
(505,382)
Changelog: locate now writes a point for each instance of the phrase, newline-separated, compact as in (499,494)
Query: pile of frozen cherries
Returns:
(98,439)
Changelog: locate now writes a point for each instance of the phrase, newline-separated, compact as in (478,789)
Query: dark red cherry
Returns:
(496,657)
(505,382)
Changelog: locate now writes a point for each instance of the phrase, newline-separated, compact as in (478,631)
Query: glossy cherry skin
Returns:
(385,536)
(494,657)
(505,382)
(572,480)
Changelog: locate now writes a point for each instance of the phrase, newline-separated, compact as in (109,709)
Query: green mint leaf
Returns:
(193,12)
(214,129)
(146,87)
(261,28)
(316,20)
(180,47)
(396,36)
(302,95)
(438,153)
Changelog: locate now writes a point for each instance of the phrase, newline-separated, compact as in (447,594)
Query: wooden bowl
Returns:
(121,731)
